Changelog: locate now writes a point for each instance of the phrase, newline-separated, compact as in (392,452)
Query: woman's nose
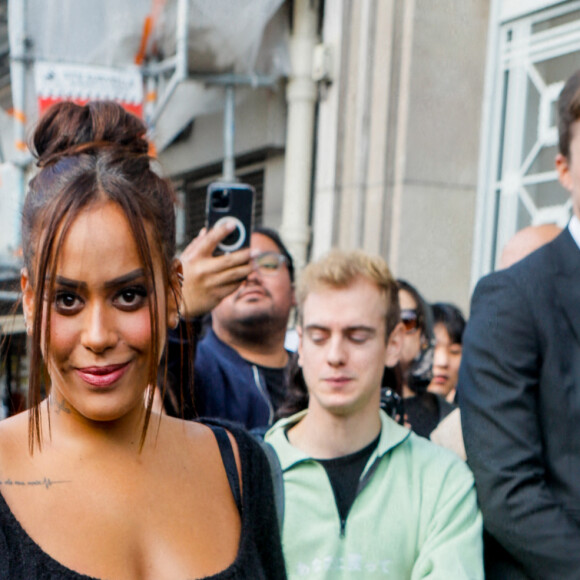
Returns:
(99,333)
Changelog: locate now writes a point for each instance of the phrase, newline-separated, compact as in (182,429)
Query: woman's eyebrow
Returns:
(68,283)
(124,279)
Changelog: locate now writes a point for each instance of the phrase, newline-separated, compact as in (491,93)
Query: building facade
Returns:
(423,131)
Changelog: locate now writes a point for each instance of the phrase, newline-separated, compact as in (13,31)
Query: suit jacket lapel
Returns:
(566,259)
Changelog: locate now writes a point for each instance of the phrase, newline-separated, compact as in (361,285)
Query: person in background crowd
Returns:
(519,385)
(525,241)
(94,482)
(423,410)
(448,326)
(397,505)
(417,350)
(242,367)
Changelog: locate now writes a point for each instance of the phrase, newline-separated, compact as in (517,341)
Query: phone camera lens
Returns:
(221,199)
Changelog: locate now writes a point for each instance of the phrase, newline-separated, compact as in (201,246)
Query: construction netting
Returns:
(87,49)
(239,36)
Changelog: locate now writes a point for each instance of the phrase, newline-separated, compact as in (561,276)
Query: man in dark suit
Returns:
(519,392)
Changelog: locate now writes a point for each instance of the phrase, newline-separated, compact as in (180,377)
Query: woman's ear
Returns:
(27,299)
(174,296)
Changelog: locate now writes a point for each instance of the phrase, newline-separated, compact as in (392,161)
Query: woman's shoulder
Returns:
(14,439)
(206,438)
(211,440)
(198,432)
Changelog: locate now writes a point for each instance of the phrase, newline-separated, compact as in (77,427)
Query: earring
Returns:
(174,320)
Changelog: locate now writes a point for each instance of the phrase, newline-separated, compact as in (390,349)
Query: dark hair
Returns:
(452,318)
(296,397)
(568,112)
(275,237)
(420,372)
(424,314)
(91,154)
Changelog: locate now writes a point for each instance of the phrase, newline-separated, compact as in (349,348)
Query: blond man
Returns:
(363,496)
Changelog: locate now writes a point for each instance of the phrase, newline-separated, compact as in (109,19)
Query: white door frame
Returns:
(515,45)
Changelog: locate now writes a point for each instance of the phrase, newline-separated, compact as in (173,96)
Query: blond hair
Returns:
(340,269)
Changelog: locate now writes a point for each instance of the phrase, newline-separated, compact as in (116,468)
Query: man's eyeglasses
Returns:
(410,319)
(268,263)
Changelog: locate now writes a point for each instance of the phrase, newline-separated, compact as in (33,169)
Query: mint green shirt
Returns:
(415,515)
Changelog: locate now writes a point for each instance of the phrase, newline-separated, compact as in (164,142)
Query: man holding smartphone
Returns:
(241,366)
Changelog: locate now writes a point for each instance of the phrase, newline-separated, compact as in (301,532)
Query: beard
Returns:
(256,327)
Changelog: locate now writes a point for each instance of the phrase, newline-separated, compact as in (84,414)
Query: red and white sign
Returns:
(57,82)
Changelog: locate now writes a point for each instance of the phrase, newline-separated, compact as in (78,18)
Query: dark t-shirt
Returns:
(344,475)
(275,384)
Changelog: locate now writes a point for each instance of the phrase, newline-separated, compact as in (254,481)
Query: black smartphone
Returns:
(231,201)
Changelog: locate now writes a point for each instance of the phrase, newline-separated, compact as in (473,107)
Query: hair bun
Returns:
(68,129)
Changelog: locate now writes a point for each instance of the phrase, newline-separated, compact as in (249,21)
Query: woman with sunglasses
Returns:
(423,410)
(94,483)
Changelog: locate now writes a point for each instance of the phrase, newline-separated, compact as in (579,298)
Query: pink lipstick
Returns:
(102,376)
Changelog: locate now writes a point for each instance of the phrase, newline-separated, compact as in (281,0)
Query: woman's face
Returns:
(100,330)
(446,361)
(412,337)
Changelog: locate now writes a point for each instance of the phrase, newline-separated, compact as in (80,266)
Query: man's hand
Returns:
(208,278)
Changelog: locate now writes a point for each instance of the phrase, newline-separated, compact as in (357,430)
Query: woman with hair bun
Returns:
(93,482)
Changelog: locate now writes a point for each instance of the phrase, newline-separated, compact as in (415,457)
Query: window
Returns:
(518,185)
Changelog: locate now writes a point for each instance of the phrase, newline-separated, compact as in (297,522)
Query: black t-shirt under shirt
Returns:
(344,475)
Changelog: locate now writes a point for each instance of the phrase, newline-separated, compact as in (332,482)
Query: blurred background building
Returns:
(423,131)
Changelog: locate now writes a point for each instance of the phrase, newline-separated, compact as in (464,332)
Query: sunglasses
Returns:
(268,263)
(410,319)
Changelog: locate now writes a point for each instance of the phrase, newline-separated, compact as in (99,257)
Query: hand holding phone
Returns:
(235,202)
(209,278)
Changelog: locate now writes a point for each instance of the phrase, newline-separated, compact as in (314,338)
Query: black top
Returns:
(344,475)
(259,554)
(276,384)
(425,411)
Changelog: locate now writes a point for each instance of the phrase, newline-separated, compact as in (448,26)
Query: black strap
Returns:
(277,480)
(229,461)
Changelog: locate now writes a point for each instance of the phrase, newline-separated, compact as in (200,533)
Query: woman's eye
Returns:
(67,302)
(131,298)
